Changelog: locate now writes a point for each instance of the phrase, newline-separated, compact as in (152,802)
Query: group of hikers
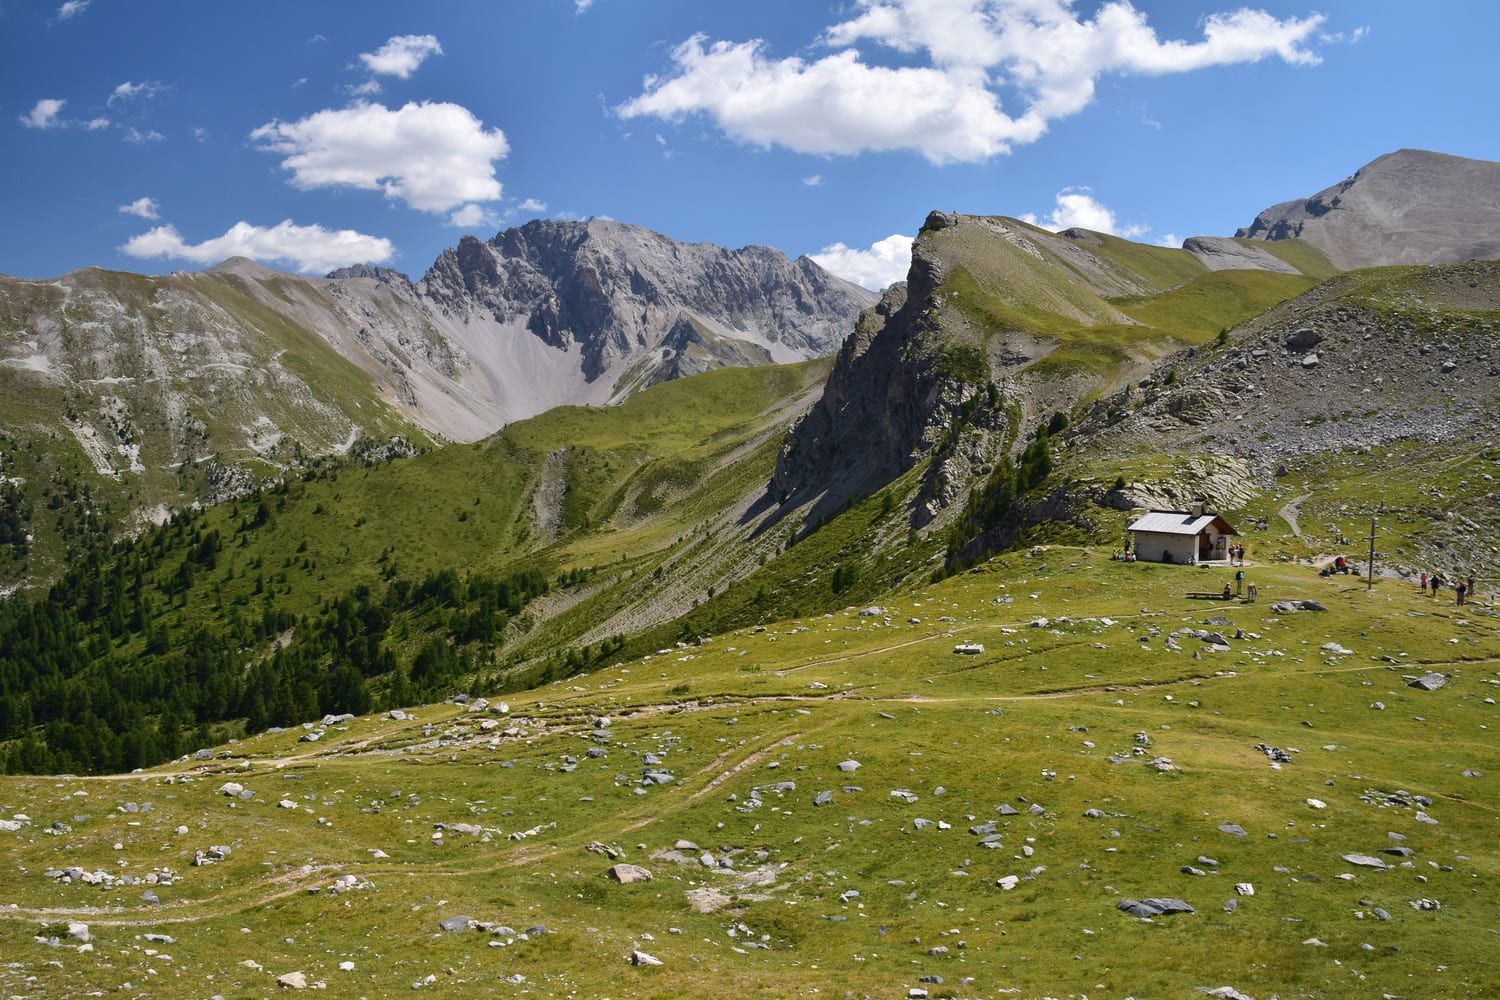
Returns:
(1242,588)
(1237,555)
(1463,587)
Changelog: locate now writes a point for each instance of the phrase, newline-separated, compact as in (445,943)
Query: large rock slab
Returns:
(1155,906)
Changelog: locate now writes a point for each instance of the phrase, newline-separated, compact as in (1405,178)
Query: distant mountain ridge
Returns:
(1407,207)
(147,393)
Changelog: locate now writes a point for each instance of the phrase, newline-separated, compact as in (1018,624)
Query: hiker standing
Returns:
(1253,591)
(1239,582)
(1462,590)
(1423,586)
(1471,586)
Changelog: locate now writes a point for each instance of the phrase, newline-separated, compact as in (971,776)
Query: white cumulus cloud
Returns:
(960,63)
(433,156)
(143,208)
(1077,208)
(532,205)
(307,248)
(72,8)
(44,114)
(885,263)
(402,55)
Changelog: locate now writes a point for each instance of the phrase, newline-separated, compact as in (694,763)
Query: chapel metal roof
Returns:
(1170,522)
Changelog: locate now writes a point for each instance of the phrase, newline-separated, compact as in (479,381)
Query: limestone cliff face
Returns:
(1406,207)
(897,386)
(612,291)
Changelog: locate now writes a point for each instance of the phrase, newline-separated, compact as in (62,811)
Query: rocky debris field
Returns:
(1284,802)
(1363,360)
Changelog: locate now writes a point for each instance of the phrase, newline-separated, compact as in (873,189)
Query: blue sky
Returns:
(315,134)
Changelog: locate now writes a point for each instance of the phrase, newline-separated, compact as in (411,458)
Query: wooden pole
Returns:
(1370,581)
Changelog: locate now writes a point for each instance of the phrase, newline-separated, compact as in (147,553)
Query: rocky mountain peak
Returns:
(611,290)
(242,266)
(384,275)
(1408,207)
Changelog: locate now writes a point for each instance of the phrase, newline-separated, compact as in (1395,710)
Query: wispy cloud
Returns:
(1341,38)
(128,91)
(402,55)
(45,113)
(72,9)
(136,136)
(142,208)
(307,248)
(813,180)
(472,216)
(532,205)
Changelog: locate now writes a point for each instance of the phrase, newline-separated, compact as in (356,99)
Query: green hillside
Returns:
(1100,308)
(147,394)
(460,546)
(1004,806)
(1196,311)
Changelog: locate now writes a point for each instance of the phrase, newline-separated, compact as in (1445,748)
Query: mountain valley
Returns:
(606,615)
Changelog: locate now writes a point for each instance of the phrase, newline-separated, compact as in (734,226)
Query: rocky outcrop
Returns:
(691,348)
(1220,253)
(384,275)
(880,398)
(896,387)
(1406,207)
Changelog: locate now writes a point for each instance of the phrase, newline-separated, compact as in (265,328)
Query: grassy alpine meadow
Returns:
(836,805)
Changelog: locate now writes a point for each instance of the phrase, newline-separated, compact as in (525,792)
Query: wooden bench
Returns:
(1209,595)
